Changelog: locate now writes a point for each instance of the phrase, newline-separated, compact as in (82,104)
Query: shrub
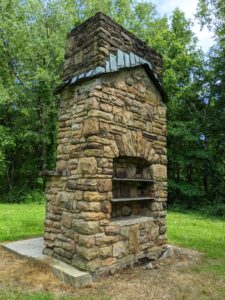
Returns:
(23,196)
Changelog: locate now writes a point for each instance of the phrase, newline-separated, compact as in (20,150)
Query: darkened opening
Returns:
(133,187)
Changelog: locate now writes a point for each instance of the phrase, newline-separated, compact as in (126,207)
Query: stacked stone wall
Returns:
(114,115)
(89,46)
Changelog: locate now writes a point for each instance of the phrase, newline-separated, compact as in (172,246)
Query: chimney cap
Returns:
(99,46)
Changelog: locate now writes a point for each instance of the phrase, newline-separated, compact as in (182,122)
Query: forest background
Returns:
(32,42)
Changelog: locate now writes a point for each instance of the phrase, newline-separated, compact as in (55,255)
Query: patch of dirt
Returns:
(175,279)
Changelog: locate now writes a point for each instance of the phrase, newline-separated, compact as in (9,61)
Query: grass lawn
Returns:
(187,229)
(203,233)
(14,295)
(18,221)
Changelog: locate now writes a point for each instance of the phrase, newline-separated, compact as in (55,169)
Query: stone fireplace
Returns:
(106,200)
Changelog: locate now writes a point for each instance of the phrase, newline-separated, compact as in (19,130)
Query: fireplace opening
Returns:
(133,187)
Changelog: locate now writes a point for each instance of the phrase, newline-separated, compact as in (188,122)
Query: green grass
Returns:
(18,221)
(15,295)
(187,229)
(203,233)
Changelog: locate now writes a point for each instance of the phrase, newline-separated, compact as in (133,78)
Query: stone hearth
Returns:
(106,200)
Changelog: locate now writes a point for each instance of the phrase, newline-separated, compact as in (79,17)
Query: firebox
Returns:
(106,200)
(133,187)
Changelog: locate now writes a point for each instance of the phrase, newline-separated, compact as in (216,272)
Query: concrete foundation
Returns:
(33,249)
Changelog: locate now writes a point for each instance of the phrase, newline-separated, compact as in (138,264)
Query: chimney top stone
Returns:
(99,45)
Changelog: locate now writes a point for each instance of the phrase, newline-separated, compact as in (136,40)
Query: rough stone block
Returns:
(90,127)
(85,227)
(86,265)
(87,165)
(93,216)
(86,240)
(105,251)
(112,229)
(106,107)
(156,206)
(159,171)
(88,206)
(119,249)
(67,219)
(109,261)
(87,253)
(134,238)
(94,196)
(91,103)
(152,230)
(78,195)
(105,185)
(106,206)
(102,239)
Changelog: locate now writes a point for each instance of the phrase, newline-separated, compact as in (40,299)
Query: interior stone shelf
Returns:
(133,179)
(132,199)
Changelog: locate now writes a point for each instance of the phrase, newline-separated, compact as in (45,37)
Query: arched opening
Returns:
(133,187)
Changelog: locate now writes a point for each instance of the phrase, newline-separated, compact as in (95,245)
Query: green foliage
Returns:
(208,210)
(6,142)
(19,195)
(32,41)
(35,196)
(185,191)
(212,14)
(213,210)
(31,62)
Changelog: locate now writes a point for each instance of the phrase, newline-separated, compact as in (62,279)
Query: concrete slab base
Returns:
(32,248)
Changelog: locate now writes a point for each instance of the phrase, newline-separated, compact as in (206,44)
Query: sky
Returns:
(189,8)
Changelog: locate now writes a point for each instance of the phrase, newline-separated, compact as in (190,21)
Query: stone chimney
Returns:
(106,200)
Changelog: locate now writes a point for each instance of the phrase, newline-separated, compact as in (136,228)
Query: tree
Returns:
(183,82)
(212,15)
(32,40)
(31,59)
